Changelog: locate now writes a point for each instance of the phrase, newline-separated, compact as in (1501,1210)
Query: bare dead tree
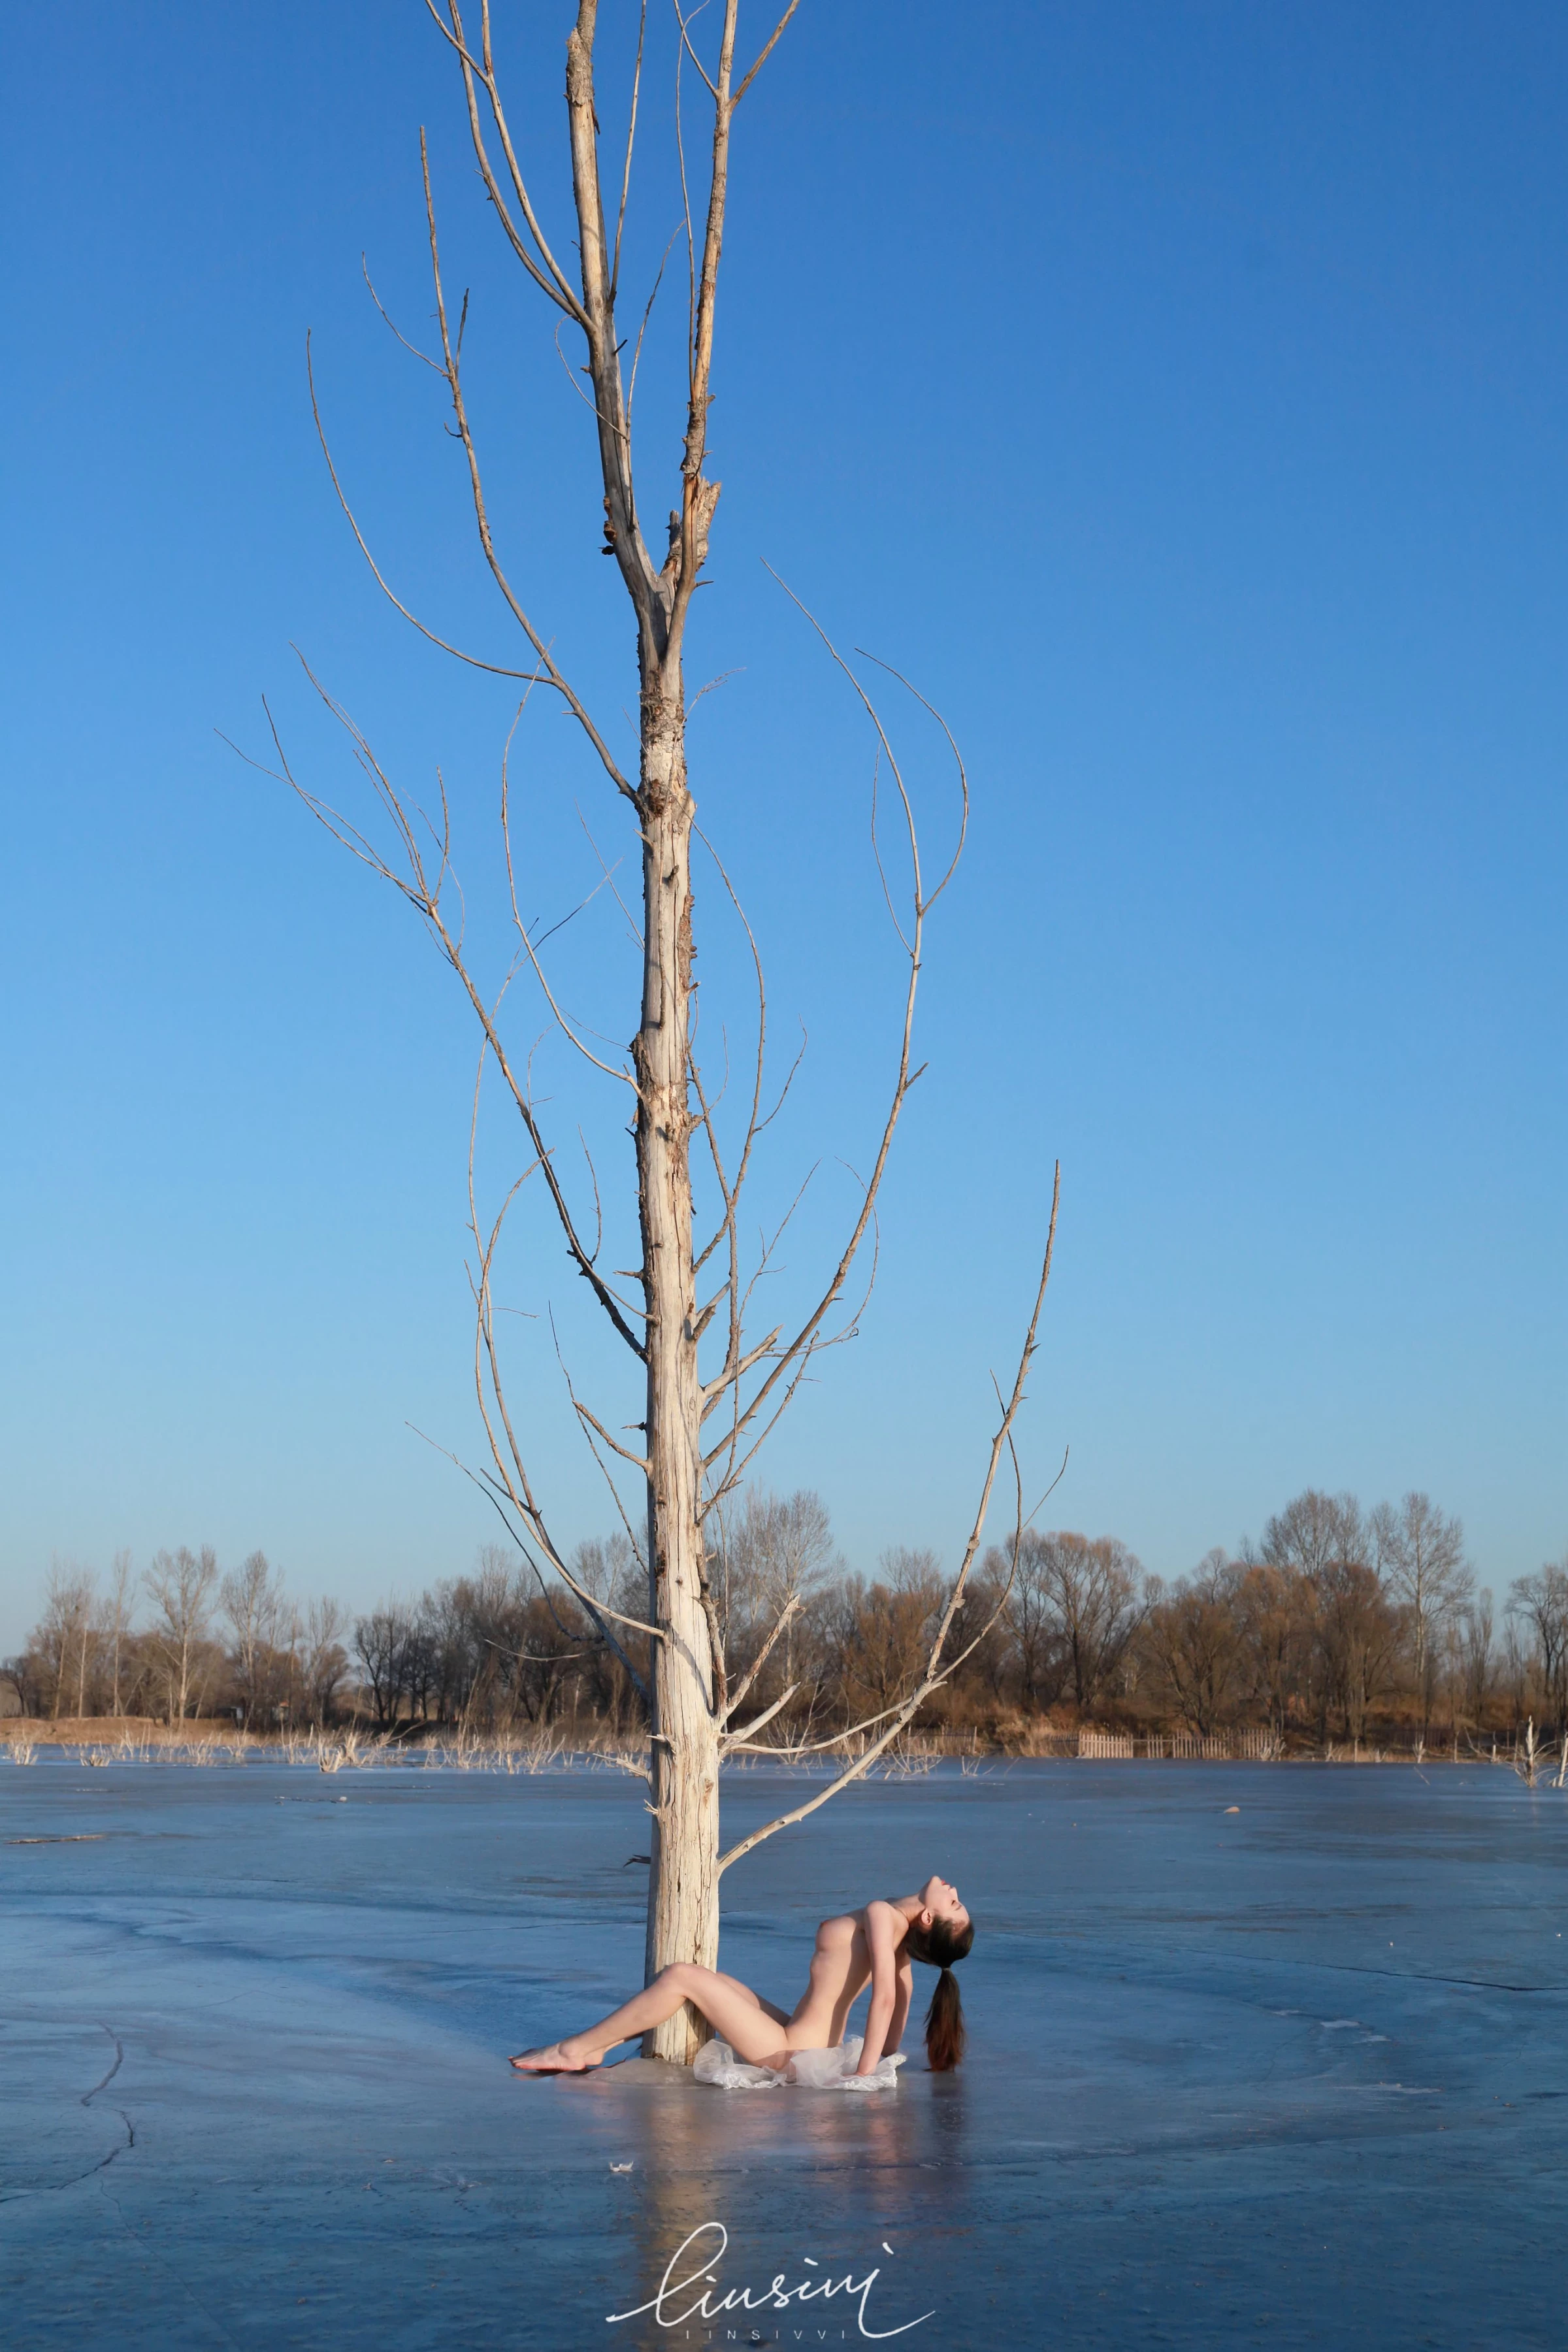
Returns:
(712,1392)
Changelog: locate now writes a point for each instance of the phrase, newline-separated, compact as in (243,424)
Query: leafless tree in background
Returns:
(251,1598)
(885,1626)
(1478,1655)
(382,1640)
(1032,1615)
(1541,1603)
(67,1630)
(1095,1589)
(117,1621)
(700,1425)
(1325,1542)
(1421,1555)
(1317,1648)
(767,1557)
(1275,1621)
(1312,1531)
(1517,1665)
(324,1661)
(180,1586)
(1193,1638)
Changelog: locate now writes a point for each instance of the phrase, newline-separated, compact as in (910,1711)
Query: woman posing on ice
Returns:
(875,1944)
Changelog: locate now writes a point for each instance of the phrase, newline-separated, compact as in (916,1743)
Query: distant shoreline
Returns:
(527,1748)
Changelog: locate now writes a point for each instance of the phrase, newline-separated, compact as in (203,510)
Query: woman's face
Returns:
(940,1897)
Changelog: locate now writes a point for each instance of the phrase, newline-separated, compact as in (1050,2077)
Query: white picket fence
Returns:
(1103,1744)
(1250,1747)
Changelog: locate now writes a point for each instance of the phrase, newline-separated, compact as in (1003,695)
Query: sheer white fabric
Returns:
(814,2070)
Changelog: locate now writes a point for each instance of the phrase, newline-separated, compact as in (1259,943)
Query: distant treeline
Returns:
(1338,1622)
(207,1642)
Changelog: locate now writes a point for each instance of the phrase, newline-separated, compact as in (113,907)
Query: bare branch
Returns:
(638,1461)
(790,1610)
(1050,1490)
(754,1124)
(481,514)
(686,40)
(512,1477)
(493,669)
(739,1464)
(402,339)
(425,895)
(789,1354)
(647,314)
(746,1731)
(936,1673)
(958,760)
(697,496)
(540,1657)
(624,538)
(598,1611)
(482,70)
(793,1749)
(608,873)
(585,1419)
(767,49)
(566,1027)
(626,173)
(715,1388)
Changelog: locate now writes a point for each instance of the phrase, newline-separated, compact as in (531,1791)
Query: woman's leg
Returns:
(768,2008)
(753,2030)
(648,2008)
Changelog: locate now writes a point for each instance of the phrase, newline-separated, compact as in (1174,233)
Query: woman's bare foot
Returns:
(568,2057)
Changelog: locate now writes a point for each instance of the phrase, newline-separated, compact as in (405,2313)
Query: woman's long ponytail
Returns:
(945,2025)
(938,1947)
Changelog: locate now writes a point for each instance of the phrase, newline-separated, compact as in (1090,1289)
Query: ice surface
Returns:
(1296,2075)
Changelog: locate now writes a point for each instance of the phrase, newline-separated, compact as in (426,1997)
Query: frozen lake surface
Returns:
(1295,2075)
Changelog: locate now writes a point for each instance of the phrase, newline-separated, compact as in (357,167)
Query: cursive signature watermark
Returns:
(701,2258)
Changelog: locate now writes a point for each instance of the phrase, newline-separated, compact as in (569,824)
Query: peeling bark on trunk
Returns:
(683,1895)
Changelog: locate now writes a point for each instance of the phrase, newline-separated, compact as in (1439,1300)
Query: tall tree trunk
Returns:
(688,1695)
(683,1892)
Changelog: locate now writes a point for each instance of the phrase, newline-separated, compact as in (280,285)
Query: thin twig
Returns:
(626,174)
(767,52)
(936,1673)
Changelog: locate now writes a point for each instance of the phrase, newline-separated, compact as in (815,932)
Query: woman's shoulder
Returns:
(876,1912)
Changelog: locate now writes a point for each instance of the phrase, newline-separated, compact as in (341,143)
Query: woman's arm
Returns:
(903,1994)
(882,1928)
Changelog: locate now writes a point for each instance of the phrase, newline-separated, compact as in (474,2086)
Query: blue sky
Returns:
(1174,393)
